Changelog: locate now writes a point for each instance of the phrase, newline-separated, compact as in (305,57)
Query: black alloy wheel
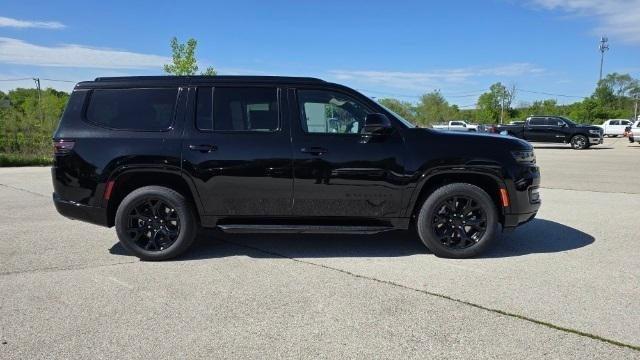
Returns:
(156,223)
(459,222)
(153,225)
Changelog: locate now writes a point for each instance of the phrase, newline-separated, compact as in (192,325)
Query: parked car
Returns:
(555,129)
(158,157)
(457,125)
(633,132)
(615,127)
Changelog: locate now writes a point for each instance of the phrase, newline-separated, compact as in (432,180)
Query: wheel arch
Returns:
(128,180)
(490,183)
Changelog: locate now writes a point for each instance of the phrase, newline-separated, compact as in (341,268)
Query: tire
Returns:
(437,207)
(579,142)
(156,223)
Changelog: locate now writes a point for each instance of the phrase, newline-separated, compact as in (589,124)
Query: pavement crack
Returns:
(450,298)
(591,191)
(62,268)
(23,190)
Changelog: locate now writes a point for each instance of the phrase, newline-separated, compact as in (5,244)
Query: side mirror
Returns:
(377,124)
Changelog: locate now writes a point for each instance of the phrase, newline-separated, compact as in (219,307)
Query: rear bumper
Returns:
(73,210)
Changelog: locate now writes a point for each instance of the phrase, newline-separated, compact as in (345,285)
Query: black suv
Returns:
(555,129)
(159,157)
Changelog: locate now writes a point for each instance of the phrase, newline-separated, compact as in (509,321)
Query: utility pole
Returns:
(635,112)
(37,81)
(604,46)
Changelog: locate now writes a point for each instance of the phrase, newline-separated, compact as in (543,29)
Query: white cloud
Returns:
(433,79)
(15,51)
(620,18)
(9,22)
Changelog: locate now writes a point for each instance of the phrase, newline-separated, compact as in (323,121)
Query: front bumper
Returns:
(75,211)
(524,197)
(595,140)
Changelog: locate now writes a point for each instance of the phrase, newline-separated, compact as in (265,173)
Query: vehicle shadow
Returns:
(568,147)
(538,236)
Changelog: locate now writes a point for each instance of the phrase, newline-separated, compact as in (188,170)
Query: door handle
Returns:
(204,148)
(315,150)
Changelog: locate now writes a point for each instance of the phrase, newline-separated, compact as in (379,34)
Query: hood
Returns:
(588,127)
(482,139)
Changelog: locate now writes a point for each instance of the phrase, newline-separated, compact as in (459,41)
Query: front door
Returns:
(237,150)
(556,130)
(338,170)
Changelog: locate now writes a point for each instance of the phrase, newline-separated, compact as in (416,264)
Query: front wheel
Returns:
(155,223)
(579,142)
(458,221)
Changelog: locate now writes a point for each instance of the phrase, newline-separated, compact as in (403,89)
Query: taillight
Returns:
(61,147)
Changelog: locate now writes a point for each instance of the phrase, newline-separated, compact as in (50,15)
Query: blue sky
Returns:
(400,49)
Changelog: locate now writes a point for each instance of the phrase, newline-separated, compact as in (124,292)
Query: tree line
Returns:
(615,96)
(28,117)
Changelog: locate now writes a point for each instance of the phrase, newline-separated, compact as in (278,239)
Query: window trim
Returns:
(299,113)
(213,90)
(171,126)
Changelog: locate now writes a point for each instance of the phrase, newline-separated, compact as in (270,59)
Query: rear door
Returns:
(237,150)
(536,129)
(338,170)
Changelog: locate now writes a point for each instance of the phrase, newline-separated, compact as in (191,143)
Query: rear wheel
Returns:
(579,142)
(458,221)
(155,223)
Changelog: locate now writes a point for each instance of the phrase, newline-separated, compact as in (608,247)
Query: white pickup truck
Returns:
(614,127)
(457,125)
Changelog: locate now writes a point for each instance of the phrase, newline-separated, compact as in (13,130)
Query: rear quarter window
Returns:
(132,109)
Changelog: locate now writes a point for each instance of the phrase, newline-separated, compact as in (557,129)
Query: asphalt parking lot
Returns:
(566,285)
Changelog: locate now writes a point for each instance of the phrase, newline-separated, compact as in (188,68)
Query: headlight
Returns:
(524,156)
(594,132)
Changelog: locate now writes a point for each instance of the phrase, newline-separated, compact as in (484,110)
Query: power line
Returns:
(69,81)
(550,94)
(452,95)
(20,79)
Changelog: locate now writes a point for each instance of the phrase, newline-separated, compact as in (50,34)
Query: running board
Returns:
(302,229)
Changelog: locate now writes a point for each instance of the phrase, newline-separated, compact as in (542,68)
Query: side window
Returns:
(132,109)
(554,122)
(330,112)
(614,122)
(204,109)
(537,121)
(237,109)
(457,123)
(625,123)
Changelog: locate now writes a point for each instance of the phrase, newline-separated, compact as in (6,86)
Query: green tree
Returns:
(184,59)
(434,108)
(402,108)
(496,103)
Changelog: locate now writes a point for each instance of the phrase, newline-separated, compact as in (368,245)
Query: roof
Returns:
(196,79)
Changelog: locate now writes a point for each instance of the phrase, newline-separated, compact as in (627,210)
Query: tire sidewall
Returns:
(425,230)
(172,198)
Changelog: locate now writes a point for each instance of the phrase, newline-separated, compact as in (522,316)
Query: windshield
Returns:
(569,121)
(406,122)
